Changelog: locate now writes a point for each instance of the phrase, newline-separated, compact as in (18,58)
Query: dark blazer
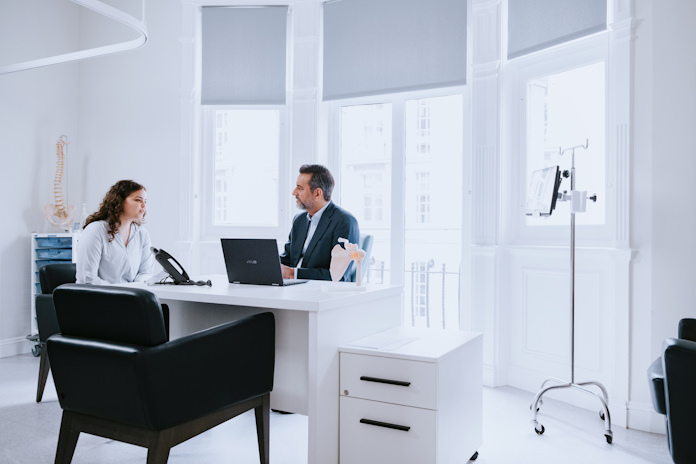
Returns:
(335,223)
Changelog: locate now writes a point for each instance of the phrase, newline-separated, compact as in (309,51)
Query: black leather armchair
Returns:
(672,380)
(118,377)
(50,277)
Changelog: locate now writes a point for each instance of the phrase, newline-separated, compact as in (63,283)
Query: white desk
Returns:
(311,323)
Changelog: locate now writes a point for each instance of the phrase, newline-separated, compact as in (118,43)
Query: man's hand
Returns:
(288,272)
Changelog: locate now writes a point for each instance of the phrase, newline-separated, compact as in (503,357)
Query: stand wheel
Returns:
(540,432)
(36,350)
(601,415)
(473,458)
(609,438)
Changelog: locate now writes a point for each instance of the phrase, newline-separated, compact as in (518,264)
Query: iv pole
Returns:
(577,204)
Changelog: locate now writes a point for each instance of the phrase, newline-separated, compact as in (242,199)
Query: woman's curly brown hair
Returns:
(111,206)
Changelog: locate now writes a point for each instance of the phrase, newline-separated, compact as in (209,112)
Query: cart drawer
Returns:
(59,242)
(54,253)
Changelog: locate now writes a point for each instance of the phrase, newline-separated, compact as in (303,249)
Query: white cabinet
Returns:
(411,396)
(46,249)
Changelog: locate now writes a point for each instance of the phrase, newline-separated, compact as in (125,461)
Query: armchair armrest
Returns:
(46,319)
(656,379)
(679,359)
(207,371)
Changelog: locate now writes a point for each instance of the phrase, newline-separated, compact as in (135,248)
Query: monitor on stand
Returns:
(543,191)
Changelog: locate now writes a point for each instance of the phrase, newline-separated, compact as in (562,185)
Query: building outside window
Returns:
(422,197)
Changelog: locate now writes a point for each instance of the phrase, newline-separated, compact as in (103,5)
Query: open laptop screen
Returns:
(253,261)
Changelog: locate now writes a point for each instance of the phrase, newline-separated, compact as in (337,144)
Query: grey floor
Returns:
(29,432)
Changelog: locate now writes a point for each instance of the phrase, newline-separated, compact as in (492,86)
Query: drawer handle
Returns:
(385,424)
(390,382)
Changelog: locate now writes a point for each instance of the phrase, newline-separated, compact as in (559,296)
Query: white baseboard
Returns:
(489,376)
(642,416)
(14,346)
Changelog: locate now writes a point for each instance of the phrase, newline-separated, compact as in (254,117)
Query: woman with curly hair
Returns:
(114,247)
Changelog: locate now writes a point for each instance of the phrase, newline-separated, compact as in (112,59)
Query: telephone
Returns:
(174,269)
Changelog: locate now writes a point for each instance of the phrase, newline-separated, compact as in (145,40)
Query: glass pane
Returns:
(564,110)
(433,204)
(366,170)
(246,156)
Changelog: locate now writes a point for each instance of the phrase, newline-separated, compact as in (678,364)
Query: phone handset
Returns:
(175,269)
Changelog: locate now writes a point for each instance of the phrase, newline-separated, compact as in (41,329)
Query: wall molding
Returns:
(14,346)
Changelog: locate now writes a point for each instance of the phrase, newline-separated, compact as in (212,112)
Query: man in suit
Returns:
(307,253)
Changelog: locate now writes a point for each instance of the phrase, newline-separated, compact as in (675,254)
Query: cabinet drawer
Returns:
(54,253)
(60,242)
(391,380)
(364,443)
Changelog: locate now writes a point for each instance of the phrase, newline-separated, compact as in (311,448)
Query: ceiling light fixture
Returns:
(109,12)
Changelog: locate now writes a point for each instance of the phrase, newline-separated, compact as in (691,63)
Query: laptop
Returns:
(254,261)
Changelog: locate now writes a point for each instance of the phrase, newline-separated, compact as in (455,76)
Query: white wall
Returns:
(664,272)
(129,121)
(36,108)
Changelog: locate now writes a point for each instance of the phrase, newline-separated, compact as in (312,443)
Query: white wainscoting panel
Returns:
(540,328)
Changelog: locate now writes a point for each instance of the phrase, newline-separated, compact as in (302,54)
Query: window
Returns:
(244,147)
(410,203)
(558,100)
(242,177)
(565,109)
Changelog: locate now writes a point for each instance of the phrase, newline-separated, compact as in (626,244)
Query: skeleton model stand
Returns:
(577,205)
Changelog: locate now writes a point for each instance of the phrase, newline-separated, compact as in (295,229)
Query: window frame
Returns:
(522,70)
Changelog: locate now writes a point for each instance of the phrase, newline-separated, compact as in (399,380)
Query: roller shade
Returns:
(374,47)
(243,55)
(537,24)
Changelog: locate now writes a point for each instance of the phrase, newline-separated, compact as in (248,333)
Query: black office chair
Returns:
(50,277)
(118,377)
(672,380)
(366,245)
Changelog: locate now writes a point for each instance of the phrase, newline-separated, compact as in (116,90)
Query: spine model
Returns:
(57,214)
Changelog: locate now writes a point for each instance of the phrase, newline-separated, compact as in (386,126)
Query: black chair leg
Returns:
(44,367)
(263,425)
(158,453)
(67,440)
(165,316)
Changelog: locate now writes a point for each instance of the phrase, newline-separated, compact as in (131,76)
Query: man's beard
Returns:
(303,206)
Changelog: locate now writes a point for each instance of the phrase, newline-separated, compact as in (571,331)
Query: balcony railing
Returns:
(432,295)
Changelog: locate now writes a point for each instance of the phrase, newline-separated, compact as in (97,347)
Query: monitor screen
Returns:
(543,191)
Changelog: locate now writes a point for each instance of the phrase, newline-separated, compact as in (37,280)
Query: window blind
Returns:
(537,24)
(243,55)
(374,47)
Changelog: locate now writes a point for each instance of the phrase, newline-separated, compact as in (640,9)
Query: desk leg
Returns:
(327,331)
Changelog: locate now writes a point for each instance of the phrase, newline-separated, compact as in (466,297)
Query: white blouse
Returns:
(101,262)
